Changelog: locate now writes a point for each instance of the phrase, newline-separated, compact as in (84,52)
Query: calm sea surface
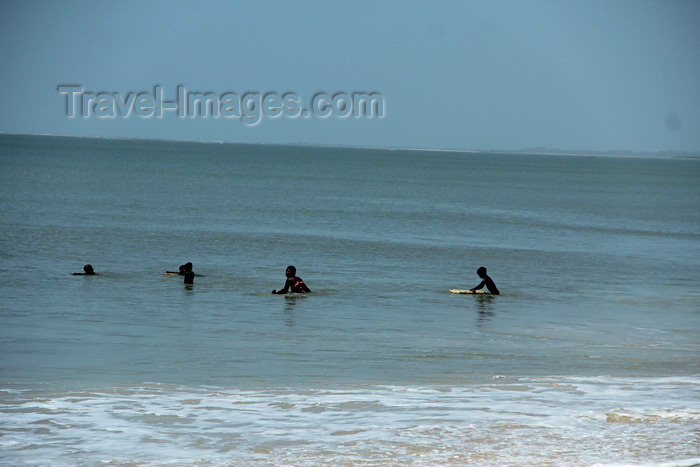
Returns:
(590,355)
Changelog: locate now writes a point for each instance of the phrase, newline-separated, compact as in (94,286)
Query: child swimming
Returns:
(486,281)
(293,283)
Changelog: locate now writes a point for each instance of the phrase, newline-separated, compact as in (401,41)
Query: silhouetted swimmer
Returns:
(486,281)
(88,271)
(293,283)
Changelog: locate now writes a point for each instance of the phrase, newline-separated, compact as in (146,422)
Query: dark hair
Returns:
(481,270)
(292,269)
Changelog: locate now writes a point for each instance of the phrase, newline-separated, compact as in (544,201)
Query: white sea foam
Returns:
(525,421)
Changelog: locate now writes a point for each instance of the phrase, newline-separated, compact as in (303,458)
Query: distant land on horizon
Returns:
(619,152)
(535,150)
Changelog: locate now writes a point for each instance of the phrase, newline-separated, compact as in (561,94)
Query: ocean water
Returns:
(590,355)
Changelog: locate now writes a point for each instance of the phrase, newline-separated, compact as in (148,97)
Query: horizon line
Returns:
(531,151)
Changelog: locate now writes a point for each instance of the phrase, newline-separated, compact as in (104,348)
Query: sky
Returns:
(592,75)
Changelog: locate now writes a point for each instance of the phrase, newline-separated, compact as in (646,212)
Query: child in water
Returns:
(486,281)
(293,283)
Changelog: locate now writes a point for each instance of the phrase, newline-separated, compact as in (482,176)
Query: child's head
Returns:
(88,269)
(291,271)
(481,272)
